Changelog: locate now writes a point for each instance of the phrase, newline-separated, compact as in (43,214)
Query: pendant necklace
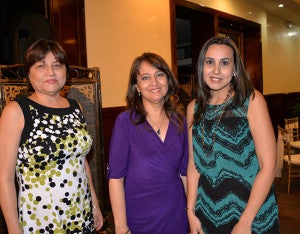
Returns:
(158,131)
(207,151)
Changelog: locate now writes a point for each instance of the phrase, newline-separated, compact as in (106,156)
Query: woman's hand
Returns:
(195,224)
(122,230)
(98,218)
(241,228)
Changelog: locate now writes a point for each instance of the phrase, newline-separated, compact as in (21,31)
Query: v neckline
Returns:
(157,135)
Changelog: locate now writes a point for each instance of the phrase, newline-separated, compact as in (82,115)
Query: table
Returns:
(295,144)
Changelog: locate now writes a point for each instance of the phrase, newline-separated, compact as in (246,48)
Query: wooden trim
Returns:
(109,115)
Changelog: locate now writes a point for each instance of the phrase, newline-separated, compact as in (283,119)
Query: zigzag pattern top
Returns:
(228,169)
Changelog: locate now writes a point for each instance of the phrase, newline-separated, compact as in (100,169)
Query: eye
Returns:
(40,65)
(209,61)
(57,65)
(224,62)
(160,74)
(145,77)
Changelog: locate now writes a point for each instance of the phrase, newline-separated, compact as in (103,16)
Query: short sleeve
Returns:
(119,148)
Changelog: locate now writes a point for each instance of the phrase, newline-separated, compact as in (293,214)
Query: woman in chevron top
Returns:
(232,148)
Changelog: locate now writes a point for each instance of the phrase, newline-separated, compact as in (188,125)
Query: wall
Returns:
(282,59)
(118,31)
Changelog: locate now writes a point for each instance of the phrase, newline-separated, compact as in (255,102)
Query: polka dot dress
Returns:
(54,195)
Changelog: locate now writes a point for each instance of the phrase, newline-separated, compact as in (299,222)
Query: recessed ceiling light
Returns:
(280,5)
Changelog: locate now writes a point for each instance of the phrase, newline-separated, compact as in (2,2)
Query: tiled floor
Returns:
(289,208)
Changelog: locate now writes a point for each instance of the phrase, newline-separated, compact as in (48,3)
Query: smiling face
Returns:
(151,83)
(47,76)
(218,66)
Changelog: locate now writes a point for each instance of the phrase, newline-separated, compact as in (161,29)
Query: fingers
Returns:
(98,223)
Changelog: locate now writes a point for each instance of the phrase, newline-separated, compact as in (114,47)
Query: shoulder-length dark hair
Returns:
(240,81)
(134,101)
(39,50)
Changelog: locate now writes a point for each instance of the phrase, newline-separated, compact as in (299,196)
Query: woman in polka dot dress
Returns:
(44,141)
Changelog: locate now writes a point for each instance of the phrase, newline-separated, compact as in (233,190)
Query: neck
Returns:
(221,96)
(157,120)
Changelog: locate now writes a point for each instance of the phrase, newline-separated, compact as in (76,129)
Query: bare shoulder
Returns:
(191,106)
(190,112)
(258,108)
(12,112)
(257,97)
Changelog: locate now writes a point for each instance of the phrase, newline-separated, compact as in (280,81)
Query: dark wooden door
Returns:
(204,23)
(22,22)
(68,24)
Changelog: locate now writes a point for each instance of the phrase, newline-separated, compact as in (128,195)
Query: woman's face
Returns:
(151,83)
(218,66)
(47,76)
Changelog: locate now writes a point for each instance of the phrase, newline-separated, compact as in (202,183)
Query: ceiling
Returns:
(289,13)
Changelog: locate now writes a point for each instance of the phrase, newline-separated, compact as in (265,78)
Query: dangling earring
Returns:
(139,93)
(233,75)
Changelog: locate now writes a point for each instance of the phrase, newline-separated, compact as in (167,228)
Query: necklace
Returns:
(207,151)
(154,125)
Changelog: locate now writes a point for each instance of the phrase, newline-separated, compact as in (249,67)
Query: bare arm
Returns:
(98,218)
(192,177)
(117,200)
(265,146)
(11,126)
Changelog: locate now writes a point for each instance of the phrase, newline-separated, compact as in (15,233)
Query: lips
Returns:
(154,90)
(215,79)
(51,81)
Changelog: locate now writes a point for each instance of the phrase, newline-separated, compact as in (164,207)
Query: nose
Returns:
(216,69)
(50,70)
(153,80)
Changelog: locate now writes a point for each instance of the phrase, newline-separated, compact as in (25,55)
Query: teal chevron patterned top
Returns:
(225,156)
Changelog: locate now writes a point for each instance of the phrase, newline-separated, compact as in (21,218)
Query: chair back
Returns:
(284,135)
(293,125)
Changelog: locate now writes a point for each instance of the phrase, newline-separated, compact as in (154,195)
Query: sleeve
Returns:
(184,160)
(119,148)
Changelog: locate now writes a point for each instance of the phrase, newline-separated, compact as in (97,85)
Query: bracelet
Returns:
(189,209)
(127,231)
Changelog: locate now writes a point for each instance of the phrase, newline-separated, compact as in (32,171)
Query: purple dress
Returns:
(154,193)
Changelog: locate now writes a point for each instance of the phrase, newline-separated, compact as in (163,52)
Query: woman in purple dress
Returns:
(149,154)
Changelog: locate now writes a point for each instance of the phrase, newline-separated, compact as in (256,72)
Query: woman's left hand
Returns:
(240,228)
(98,218)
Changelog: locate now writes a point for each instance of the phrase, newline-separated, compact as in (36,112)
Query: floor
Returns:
(289,208)
(289,205)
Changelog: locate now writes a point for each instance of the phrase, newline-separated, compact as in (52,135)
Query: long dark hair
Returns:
(240,82)
(39,50)
(134,101)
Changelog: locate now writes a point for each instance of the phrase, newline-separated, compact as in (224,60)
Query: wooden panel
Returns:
(109,116)
(68,22)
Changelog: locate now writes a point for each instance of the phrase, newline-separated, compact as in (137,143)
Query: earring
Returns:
(233,74)
(139,93)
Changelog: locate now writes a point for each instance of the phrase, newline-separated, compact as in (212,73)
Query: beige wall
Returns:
(119,30)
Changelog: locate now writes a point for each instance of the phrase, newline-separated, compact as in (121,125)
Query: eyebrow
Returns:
(220,59)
